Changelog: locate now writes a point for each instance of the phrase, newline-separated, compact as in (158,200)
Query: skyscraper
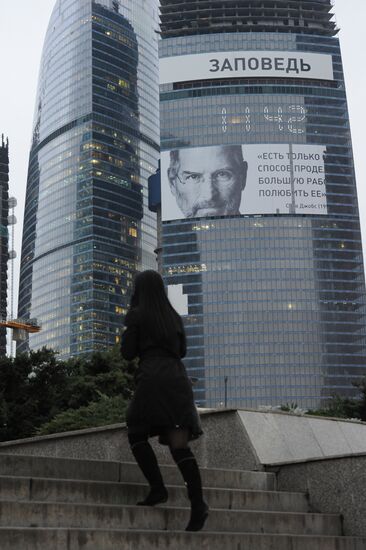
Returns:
(87,227)
(4,210)
(261,233)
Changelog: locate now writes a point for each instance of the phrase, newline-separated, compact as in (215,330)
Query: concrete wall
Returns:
(224,444)
(324,457)
(335,486)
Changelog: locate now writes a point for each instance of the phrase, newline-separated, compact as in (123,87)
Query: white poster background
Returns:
(183,68)
(281,179)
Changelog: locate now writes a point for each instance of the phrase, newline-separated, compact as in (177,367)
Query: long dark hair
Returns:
(157,316)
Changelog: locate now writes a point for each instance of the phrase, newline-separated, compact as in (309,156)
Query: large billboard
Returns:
(246,64)
(227,180)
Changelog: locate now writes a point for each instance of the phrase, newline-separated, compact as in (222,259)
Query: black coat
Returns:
(163,399)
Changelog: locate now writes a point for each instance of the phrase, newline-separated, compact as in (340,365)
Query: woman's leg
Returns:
(187,464)
(146,459)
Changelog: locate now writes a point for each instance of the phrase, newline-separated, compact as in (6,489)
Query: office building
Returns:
(87,227)
(261,233)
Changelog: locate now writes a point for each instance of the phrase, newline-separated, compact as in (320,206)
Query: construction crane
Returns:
(30,326)
(20,327)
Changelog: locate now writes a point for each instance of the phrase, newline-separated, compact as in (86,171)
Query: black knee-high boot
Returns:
(187,464)
(146,459)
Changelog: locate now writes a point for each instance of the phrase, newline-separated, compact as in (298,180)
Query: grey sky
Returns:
(23,24)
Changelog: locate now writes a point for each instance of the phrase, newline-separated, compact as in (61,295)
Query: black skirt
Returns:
(163,400)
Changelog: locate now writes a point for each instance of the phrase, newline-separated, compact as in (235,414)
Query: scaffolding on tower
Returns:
(20,327)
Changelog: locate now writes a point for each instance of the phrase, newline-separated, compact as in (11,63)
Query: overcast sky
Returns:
(23,24)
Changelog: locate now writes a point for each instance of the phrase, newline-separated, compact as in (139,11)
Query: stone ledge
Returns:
(259,438)
(224,445)
(87,431)
(285,438)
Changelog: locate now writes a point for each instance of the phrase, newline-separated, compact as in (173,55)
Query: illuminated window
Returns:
(123,83)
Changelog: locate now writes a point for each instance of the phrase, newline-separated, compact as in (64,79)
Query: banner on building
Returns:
(226,180)
(245,64)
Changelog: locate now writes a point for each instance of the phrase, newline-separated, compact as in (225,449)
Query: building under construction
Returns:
(4,196)
(260,226)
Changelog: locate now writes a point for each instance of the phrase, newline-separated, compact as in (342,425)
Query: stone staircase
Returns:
(69,504)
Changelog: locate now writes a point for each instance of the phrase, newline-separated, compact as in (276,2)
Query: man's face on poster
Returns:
(208,181)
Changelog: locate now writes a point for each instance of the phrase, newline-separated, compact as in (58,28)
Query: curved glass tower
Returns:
(261,232)
(87,227)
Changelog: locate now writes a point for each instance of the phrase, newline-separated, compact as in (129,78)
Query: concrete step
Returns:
(90,516)
(102,492)
(98,470)
(99,539)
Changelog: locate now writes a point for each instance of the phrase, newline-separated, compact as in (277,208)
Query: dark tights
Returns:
(177,439)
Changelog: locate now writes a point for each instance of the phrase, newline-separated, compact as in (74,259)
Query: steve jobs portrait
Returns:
(208,181)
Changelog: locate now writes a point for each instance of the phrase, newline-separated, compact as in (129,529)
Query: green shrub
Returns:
(108,410)
(37,388)
(341,407)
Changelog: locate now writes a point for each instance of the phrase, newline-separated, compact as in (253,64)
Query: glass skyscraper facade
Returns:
(261,234)
(4,239)
(87,226)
